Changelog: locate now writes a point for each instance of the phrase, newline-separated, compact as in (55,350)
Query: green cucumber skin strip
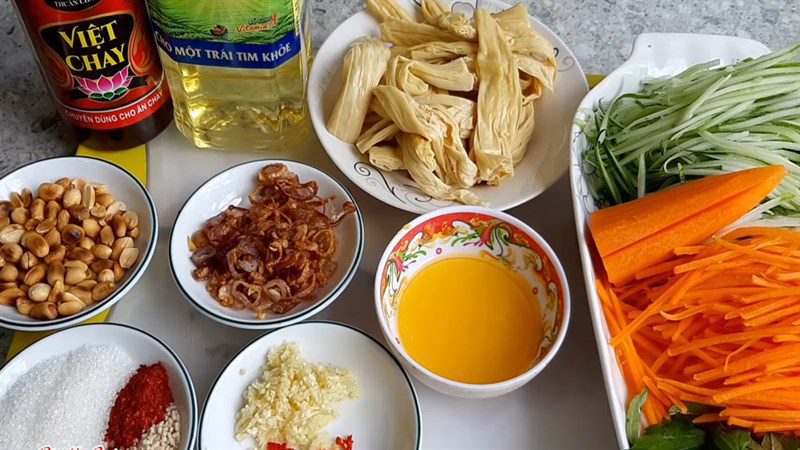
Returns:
(707,120)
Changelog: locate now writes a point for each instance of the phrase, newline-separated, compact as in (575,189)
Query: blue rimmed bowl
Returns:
(232,187)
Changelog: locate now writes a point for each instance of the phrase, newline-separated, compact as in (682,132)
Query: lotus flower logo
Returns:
(105,88)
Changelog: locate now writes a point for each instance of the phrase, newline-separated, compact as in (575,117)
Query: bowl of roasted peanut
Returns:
(76,234)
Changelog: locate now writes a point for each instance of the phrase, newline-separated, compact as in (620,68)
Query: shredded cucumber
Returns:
(704,121)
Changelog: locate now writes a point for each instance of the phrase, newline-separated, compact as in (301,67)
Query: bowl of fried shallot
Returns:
(265,244)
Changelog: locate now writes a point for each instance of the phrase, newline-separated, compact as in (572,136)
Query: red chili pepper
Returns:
(278,446)
(142,403)
(346,444)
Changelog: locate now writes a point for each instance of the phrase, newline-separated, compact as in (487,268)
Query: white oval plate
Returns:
(123,186)
(140,346)
(385,416)
(545,162)
(653,55)
(232,187)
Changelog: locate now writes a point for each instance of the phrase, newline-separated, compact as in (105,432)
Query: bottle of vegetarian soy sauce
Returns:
(102,69)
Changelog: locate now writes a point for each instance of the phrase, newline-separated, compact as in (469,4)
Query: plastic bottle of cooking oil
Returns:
(237,69)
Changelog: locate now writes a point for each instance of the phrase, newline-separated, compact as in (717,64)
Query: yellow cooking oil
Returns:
(237,70)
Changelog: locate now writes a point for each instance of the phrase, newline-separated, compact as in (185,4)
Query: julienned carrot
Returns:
(707,418)
(720,329)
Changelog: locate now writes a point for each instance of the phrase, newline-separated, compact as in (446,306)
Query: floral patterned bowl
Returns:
(469,230)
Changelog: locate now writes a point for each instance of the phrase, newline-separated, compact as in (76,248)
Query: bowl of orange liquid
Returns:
(472,301)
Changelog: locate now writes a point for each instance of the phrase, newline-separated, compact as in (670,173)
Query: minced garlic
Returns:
(293,401)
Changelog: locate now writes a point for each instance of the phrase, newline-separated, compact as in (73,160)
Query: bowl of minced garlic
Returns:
(292,401)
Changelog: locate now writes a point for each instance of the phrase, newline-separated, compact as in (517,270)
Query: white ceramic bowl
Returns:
(232,187)
(653,55)
(123,186)
(469,230)
(386,415)
(543,165)
(140,346)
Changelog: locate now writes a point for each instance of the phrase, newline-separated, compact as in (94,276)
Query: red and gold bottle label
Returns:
(99,59)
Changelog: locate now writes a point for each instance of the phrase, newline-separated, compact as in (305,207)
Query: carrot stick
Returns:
(737,422)
(707,418)
(735,337)
(779,415)
(766,427)
(756,387)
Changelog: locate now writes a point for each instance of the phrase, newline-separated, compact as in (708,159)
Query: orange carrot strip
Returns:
(773,316)
(689,250)
(658,269)
(745,364)
(756,387)
(758,255)
(786,235)
(772,293)
(766,427)
(737,422)
(791,276)
(707,418)
(734,337)
(757,309)
(779,415)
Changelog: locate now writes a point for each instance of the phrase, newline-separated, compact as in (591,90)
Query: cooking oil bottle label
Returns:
(254,34)
(99,59)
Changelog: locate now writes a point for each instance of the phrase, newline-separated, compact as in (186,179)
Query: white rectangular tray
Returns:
(565,407)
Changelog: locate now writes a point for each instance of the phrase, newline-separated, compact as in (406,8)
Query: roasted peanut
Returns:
(79,183)
(69,308)
(39,292)
(9,273)
(24,305)
(72,263)
(87,196)
(81,254)
(79,212)
(50,191)
(105,199)
(71,197)
(9,297)
(62,220)
(35,243)
(44,311)
(56,254)
(71,234)
(74,276)
(99,188)
(53,238)
(31,224)
(101,265)
(102,290)
(45,225)
(114,208)
(128,257)
(86,243)
(52,209)
(37,209)
(83,294)
(87,284)
(98,211)
(101,251)
(12,234)
(131,218)
(28,260)
(8,285)
(133,232)
(91,228)
(119,226)
(107,235)
(4,222)
(56,291)
(5,208)
(13,252)
(35,275)
(106,275)
(20,215)
(27,196)
(55,272)
(16,200)
(65,182)
(120,245)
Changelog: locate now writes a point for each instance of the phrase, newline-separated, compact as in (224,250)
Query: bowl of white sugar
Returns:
(78,388)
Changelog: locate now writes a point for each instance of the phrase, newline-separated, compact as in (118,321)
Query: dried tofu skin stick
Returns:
(463,110)
(515,20)
(399,75)
(383,130)
(403,110)
(432,9)
(417,156)
(442,52)
(385,10)
(519,145)
(542,72)
(452,76)
(409,34)
(386,157)
(460,171)
(362,69)
(499,102)
(457,24)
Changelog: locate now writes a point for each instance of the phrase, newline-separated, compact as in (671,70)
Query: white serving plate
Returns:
(123,186)
(140,346)
(544,163)
(653,55)
(232,187)
(385,416)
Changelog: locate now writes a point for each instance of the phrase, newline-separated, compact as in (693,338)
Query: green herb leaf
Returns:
(732,439)
(674,435)
(776,441)
(633,423)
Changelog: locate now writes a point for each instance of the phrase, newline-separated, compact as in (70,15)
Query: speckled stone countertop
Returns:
(600,33)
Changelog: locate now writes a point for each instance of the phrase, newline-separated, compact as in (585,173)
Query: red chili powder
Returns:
(142,403)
